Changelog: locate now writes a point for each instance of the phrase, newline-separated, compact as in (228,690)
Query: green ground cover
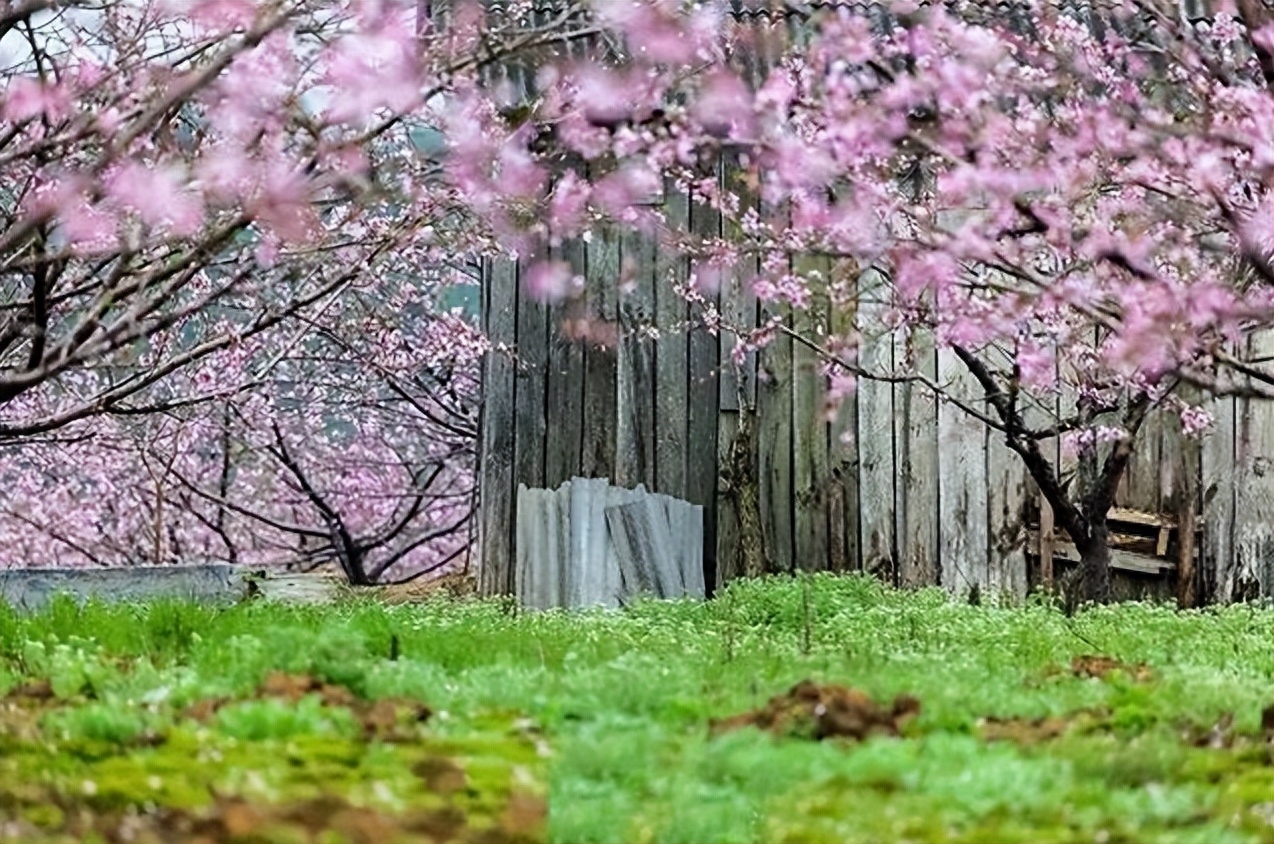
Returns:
(446,721)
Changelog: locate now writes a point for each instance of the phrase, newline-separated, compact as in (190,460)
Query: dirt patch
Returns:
(824,711)
(382,719)
(1102,667)
(232,820)
(1023,731)
(35,691)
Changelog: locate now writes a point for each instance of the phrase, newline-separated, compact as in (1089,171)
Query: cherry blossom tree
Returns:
(223,225)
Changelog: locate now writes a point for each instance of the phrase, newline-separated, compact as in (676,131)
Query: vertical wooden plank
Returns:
(842,435)
(876,476)
(1046,543)
(1178,482)
(600,356)
(496,493)
(564,402)
(774,438)
(810,469)
(737,298)
(916,457)
(1187,569)
(963,484)
(1140,488)
(1254,485)
(738,517)
(1042,413)
(671,361)
(730,564)
(774,449)
(1218,479)
(635,431)
(702,406)
(1007,485)
(531,365)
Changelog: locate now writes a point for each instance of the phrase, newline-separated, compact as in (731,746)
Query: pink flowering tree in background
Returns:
(226,246)
(1073,206)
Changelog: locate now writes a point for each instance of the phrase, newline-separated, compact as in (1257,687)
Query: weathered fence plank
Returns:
(496,490)
(531,368)
(1254,485)
(1217,481)
(1007,486)
(916,459)
(963,485)
(564,401)
(842,433)
(702,398)
(810,470)
(774,459)
(876,475)
(600,355)
(671,398)
(635,425)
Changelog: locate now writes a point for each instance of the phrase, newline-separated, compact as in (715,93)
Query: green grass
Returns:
(607,715)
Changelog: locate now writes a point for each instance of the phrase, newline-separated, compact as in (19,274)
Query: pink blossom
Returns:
(158,196)
(550,281)
(26,97)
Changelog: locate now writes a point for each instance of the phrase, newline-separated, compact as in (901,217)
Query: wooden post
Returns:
(1046,543)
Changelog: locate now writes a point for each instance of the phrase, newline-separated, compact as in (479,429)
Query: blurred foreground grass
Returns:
(260,722)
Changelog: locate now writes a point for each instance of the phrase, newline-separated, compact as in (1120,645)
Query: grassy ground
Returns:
(456,722)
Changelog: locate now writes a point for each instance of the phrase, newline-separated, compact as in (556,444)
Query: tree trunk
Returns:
(1090,582)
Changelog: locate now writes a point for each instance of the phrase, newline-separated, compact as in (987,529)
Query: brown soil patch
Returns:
(384,719)
(1103,666)
(455,585)
(38,691)
(334,819)
(825,711)
(1024,731)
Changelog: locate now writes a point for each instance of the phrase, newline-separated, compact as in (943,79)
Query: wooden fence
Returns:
(896,484)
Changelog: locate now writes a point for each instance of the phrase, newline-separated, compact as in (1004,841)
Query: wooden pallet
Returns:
(1139,542)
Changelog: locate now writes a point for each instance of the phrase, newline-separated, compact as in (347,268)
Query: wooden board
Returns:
(774,449)
(916,460)
(530,369)
(600,361)
(1123,560)
(811,472)
(671,398)
(842,445)
(1217,479)
(1009,492)
(635,426)
(1254,484)
(736,390)
(963,485)
(876,475)
(701,417)
(564,402)
(497,447)
(729,531)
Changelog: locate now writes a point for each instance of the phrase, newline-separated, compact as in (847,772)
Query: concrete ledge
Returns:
(213,583)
